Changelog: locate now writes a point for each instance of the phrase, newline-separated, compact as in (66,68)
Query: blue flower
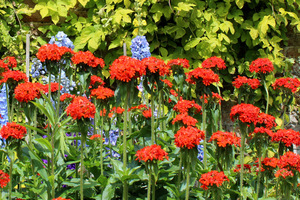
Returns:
(140,48)
(200,152)
(61,39)
(3,106)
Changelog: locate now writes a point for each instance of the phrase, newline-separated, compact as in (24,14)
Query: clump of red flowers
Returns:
(246,113)
(225,138)
(287,136)
(290,161)
(214,62)
(3,66)
(96,81)
(184,63)
(13,130)
(96,137)
(215,97)
(261,65)
(86,58)
(80,108)
(167,82)
(188,137)
(13,77)
(156,65)
(261,131)
(53,88)
(147,113)
(150,153)
(4,179)
(10,61)
(28,91)
(117,110)
(246,167)
(284,173)
(184,106)
(287,83)
(269,164)
(206,76)
(185,119)
(68,96)
(212,178)
(265,120)
(52,52)
(60,198)
(126,68)
(102,93)
(241,81)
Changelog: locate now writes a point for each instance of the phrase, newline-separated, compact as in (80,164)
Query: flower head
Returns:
(246,167)
(284,173)
(25,92)
(184,106)
(261,131)
(269,164)
(10,61)
(265,120)
(290,161)
(4,179)
(215,97)
(65,96)
(80,108)
(52,52)
(13,130)
(185,119)
(206,76)
(156,65)
(290,84)
(261,65)
(87,59)
(225,138)
(3,66)
(96,137)
(212,178)
(96,81)
(53,88)
(241,81)
(60,198)
(184,63)
(246,113)
(140,48)
(147,113)
(61,39)
(13,77)
(150,153)
(102,93)
(188,137)
(287,136)
(214,62)
(167,82)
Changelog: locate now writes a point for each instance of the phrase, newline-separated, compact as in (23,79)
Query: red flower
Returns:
(117,110)
(284,173)
(225,138)
(269,164)
(96,79)
(80,108)
(265,120)
(60,198)
(261,65)
(13,77)
(10,61)
(125,68)
(3,67)
(246,167)
(150,153)
(185,119)
(86,58)
(4,179)
(52,52)
(188,137)
(214,62)
(287,83)
(262,131)
(13,130)
(184,63)
(215,97)
(65,96)
(53,88)
(140,107)
(147,113)
(96,137)
(207,76)
(183,106)
(290,161)
(244,81)
(212,178)
(173,93)
(167,82)
(287,136)
(102,112)
(102,93)
(246,113)
(25,92)
(156,65)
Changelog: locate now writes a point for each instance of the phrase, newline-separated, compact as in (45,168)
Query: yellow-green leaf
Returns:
(83,2)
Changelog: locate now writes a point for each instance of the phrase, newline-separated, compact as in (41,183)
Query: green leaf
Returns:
(240,3)
(163,52)
(83,2)
(55,18)
(44,143)
(184,6)
(192,44)
(44,12)
(109,191)
(114,44)
(180,32)
(253,33)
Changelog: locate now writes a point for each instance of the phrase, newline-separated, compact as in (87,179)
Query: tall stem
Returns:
(125,187)
(268,96)
(243,139)
(180,168)
(220,111)
(203,128)
(81,166)
(259,176)
(149,184)
(187,191)
(152,115)
(101,144)
(10,176)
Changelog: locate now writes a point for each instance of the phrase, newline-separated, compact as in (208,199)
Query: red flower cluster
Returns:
(188,137)
(53,88)
(287,136)
(185,119)
(156,65)
(265,120)
(96,137)
(261,130)
(13,130)
(10,61)
(212,178)
(290,161)
(102,93)
(125,68)
(214,62)
(28,91)
(246,113)
(139,107)
(13,77)
(244,81)
(96,79)
(150,153)
(147,113)
(87,58)
(288,83)
(80,108)
(117,110)
(52,52)
(184,106)
(60,198)
(3,66)
(215,97)
(167,82)
(261,65)
(65,96)
(269,164)
(207,76)
(225,138)
(179,62)
(4,179)
(246,167)
(284,173)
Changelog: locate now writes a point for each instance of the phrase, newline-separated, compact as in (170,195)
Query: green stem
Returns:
(10,176)
(203,128)
(259,176)
(187,191)
(125,187)
(243,139)
(268,97)
(101,145)
(220,111)
(81,166)
(180,168)
(152,116)
(153,188)
(149,184)
(283,116)
(8,103)
(58,94)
